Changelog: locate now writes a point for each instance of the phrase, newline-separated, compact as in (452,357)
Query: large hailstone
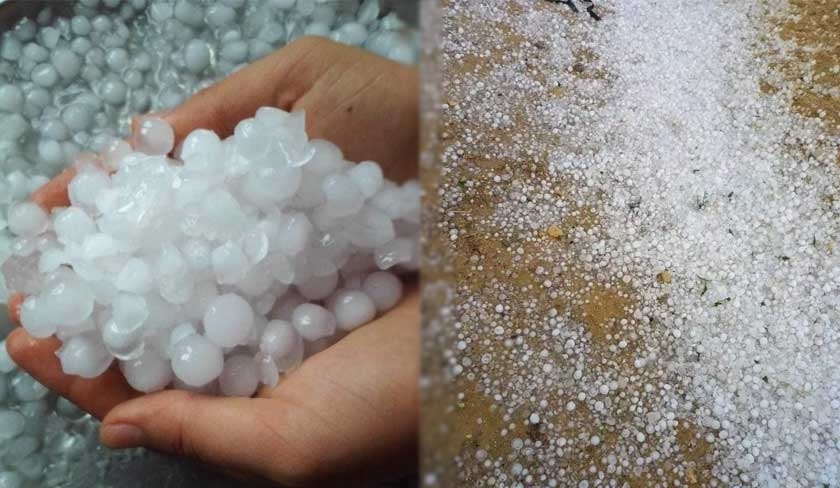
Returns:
(216,270)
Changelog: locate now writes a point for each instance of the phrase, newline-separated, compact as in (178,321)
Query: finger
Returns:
(54,193)
(224,432)
(94,395)
(13,307)
(367,413)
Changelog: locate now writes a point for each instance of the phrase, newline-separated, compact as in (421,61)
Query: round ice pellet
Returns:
(352,33)
(228,320)
(197,361)
(255,245)
(313,321)
(67,64)
(367,176)
(125,343)
(220,15)
(229,263)
(201,145)
(114,151)
(177,333)
(66,297)
(34,318)
(154,136)
(147,373)
(343,195)
(12,128)
(142,61)
(239,376)
(279,338)
(11,424)
(130,311)
(101,23)
(44,75)
(114,91)
(11,98)
(133,78)
(49,36)
(327,157)
(27,219)
(383,288)
(35,52)
(80,25)
(96,57)
(81,45)
(296,234)
(27,389)
(84,355)
(77,116)
(189,13)
(252,139)
(72,225)
(117,59)
(352,308)
(50,151)
(86,186)
(197,55)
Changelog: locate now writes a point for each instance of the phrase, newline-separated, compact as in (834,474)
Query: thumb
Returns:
(224,432)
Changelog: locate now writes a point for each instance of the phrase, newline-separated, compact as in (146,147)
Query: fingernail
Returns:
(121,436)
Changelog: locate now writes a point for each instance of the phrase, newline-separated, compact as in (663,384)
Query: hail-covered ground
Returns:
(72,75)
(632,245)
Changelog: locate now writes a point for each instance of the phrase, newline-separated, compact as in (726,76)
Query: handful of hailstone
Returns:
(220,269)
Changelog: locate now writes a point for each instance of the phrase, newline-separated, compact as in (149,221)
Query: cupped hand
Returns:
(349,413)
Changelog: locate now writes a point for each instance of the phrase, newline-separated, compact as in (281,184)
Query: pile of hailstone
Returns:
(70,82)
(229,263)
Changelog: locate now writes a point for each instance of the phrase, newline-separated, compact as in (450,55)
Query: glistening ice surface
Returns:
(636,212)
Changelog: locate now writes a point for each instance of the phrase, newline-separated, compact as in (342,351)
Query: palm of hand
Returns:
(354,402)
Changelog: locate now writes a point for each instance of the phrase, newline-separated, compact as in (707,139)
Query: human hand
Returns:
(349,412)
(365,104)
